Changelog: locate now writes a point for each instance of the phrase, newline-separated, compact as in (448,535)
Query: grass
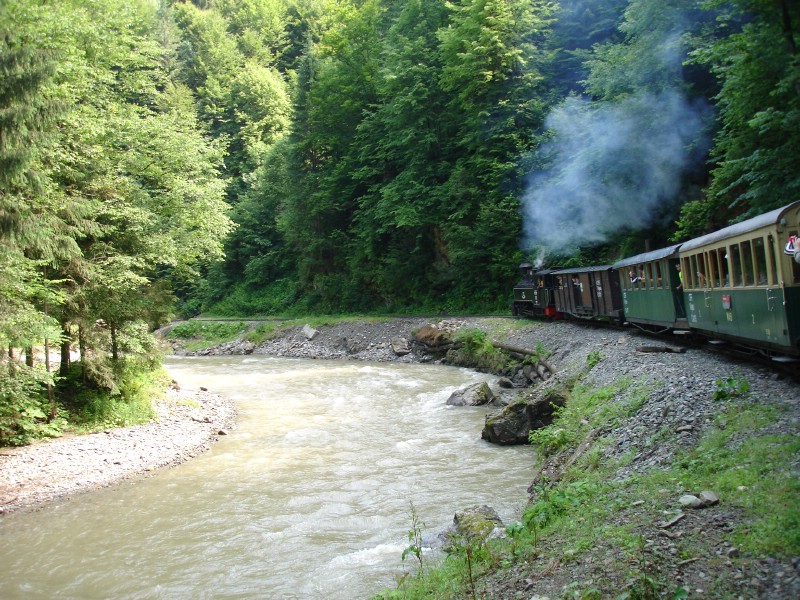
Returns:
(201,334)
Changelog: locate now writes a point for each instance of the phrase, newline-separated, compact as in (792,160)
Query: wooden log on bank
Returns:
(674,349)
(525,352)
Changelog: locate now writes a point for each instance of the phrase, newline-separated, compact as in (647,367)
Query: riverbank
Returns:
(186,424)
(652,424)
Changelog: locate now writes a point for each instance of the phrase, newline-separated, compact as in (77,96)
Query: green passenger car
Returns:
(651,290)
(743,282)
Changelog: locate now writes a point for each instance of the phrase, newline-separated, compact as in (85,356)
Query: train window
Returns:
(747,264)
(688,273)
(722,278)
(658,276)
(773,265)
(736,261)
(713,268)
(699,271)
(760,261)
(794,263)
(649,280)
(703,271)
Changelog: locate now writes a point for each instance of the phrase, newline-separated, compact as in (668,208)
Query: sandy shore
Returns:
(186,424)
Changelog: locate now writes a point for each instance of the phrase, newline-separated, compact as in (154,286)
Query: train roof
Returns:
(582,270)
(771,218)
(647,256)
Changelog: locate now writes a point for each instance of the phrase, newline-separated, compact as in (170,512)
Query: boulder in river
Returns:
(478,394)
(477,522)
(511,425)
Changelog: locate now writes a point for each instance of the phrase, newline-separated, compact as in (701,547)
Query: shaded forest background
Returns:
(243,157)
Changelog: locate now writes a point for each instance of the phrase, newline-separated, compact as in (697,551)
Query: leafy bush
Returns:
(551,439)
(556,502)
(92,407)
(477,351)
(593,358)
(24,406)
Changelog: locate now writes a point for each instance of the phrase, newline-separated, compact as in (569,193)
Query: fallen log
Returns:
(525,352)
(673,349)
(441,347)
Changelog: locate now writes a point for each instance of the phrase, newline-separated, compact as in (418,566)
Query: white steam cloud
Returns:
(612,166)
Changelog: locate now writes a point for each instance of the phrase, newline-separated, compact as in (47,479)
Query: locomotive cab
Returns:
(533,295)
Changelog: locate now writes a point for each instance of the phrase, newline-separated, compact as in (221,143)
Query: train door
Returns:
(769,318)
(675,278)
(787,301)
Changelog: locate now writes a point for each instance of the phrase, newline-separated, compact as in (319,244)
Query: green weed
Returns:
(593,358)
(731,387)
(415,538)
(204,334)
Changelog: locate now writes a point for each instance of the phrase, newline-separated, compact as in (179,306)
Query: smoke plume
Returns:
(611,166)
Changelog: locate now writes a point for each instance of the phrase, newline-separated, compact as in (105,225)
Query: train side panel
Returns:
(651,292)
(743,284)
(588,293)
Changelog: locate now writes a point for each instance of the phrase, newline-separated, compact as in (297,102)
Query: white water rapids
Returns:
(308,498)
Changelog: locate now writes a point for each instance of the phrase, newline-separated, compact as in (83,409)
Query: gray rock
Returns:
(709,498)
(478,394)
(310,332)
(689,501)
(512,424)
(505,382)
(400,346)
(475,522)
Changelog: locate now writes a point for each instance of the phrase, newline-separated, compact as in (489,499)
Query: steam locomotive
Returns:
(740,285)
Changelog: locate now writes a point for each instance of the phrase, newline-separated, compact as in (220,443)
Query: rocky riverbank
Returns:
(185,426)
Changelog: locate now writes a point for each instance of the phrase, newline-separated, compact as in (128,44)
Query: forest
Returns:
(277,157)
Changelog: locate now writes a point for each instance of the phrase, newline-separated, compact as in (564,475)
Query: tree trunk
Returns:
(50,395)
(66,344)
(524,351)
(82,351)
(29,356)
(114,345)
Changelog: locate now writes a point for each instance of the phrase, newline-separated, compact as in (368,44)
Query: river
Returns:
(308,498)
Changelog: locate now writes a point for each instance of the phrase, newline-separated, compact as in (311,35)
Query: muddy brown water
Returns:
(309,497)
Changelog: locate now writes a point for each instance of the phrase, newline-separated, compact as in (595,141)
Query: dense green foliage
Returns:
(426,147)
(375,155)
(110,190)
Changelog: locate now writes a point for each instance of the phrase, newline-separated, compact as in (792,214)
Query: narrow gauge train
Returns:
(740,284)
